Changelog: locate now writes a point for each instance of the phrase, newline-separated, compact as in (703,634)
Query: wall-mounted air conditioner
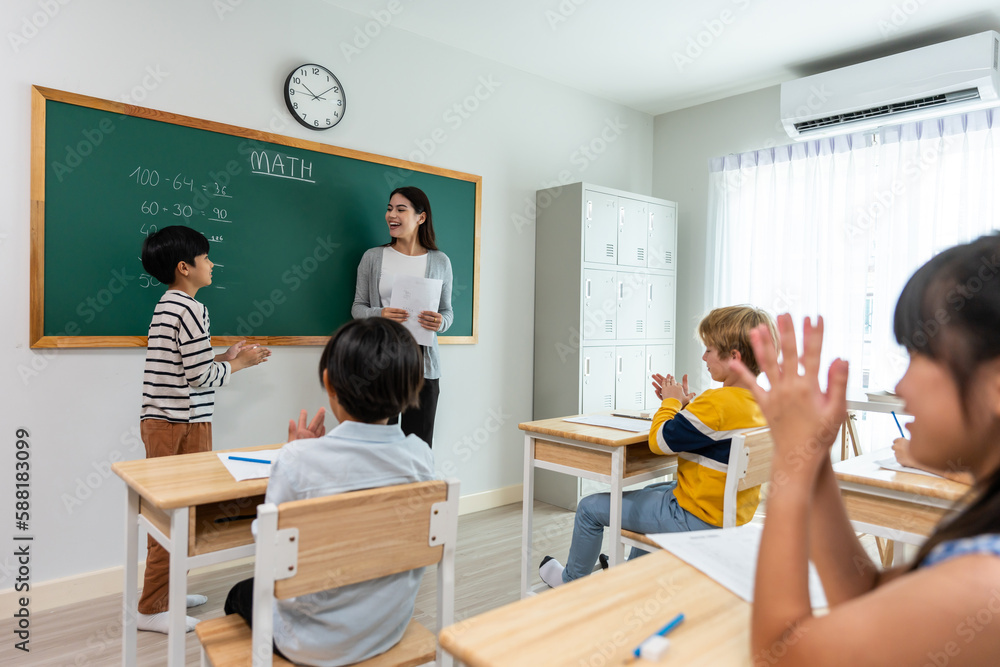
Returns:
(938,80)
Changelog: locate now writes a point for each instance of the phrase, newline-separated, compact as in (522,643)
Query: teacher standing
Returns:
(412,251)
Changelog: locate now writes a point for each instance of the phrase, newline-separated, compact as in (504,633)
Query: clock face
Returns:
(315,97)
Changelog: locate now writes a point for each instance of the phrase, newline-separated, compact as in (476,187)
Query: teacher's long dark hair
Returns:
(950,312)
(420,203)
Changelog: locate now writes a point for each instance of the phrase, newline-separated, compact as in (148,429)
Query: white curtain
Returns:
(941,180)
(786,237)
(820,227)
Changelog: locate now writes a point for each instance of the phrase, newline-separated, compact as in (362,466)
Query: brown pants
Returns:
(163,438)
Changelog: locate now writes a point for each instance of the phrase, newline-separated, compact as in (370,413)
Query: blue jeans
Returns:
(653,509)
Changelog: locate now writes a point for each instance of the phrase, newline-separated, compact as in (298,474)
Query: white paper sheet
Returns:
(414,295)
(888,461)
(620,423)
(729,555)
(244,470)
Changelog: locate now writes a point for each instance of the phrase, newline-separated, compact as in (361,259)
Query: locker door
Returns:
(598,379)
(600,228)
(632,223)
(662,236)
(659,359)
(600,305)
(631,305)
(660,306)
(629,377)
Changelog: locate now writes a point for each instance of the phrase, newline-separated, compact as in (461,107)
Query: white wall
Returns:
(80,405)
(684,142)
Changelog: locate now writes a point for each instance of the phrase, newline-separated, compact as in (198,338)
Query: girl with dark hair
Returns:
(411,251)
(937,610)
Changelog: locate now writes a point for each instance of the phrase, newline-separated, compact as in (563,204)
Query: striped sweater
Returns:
(181,373)
(701,435)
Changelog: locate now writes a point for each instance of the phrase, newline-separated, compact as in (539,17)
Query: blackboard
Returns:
(287,220)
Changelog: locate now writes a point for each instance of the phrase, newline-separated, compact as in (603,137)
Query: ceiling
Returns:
(659,56)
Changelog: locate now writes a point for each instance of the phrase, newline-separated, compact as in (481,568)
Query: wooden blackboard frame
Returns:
(40,95)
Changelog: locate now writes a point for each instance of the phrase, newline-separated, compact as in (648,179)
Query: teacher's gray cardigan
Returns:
(368,302)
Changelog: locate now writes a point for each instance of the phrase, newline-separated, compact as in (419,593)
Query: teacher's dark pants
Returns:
(420,420)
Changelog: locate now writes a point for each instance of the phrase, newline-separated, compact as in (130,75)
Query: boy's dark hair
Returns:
(163,250)
(375,366)
(727,329)
(420,203)
(949,311)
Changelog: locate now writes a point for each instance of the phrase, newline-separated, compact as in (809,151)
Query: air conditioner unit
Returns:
(938,80)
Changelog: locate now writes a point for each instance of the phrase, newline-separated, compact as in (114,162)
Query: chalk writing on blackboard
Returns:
(282,166)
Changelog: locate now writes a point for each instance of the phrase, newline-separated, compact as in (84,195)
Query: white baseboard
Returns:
(487,500)
(89,585)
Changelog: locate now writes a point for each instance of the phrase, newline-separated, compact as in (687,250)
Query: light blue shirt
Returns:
(352,623)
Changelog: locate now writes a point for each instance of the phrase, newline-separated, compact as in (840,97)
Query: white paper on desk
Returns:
(890,463)
(414,295)
(729,555)
(620,423)
(244,470)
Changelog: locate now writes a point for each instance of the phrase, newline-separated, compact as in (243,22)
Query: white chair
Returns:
(311,545)
(749,466)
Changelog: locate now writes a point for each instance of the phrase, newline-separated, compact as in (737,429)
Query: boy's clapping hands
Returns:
(304,431)
(666,386)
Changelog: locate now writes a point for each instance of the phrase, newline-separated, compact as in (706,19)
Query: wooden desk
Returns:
(598,453)
(188,504)
(600,619)
(900,506)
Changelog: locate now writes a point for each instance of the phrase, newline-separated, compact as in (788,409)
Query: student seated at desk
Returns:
(699,429)
(942,609)
(372,369)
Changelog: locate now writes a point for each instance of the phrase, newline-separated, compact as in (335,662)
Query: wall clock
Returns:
(315,97)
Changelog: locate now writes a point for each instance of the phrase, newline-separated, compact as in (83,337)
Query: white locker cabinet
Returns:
(598,379)
(631,306)
(601,228)
(660,297)
(632,232)
(660,360)
(629,377)
(661,237)
(600,304)
(598,253)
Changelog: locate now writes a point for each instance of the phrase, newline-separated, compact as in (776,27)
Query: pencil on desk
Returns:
(248,460)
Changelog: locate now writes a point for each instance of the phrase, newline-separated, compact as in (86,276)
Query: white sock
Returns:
(159,622)
(551,572)
(196,600)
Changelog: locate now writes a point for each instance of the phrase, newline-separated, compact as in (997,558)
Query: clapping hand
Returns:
(667,387)
(804,419)
(303,431)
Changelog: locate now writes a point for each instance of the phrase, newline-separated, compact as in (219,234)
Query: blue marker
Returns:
(895,419)
(248,460)
(665,630)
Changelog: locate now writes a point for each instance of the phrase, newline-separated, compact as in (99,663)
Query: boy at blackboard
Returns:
(179,382)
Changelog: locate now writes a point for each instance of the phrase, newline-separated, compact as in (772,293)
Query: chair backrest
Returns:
(749,466)
(316,544)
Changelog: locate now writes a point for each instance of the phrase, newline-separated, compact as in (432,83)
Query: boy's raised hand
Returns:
(804,419)
(303,431)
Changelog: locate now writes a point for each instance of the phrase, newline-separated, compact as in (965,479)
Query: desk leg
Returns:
(617,482)
(178,586)
(852,431)
(527,507)
(130,590)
